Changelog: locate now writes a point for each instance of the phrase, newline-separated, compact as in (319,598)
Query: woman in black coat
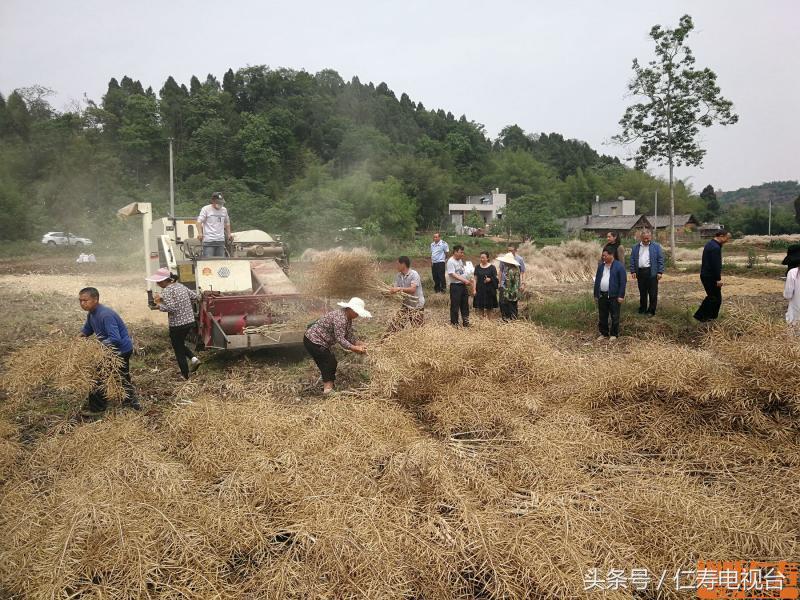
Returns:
(485,287)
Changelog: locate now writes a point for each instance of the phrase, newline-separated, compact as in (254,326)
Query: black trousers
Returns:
(709,309)
(177,336)
(437,273)
(648,290)
(97,397)
(608,307)
(459,302)
(324,358)
(508,309)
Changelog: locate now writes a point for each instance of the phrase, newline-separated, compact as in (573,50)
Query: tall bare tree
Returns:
(677,100)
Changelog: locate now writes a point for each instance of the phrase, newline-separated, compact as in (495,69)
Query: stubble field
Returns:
(501,461)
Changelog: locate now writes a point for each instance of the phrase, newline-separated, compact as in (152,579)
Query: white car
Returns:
(60,238)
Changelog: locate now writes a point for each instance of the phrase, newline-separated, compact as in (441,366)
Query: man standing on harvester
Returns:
(214,226)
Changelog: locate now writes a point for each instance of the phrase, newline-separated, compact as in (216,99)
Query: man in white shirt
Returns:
(439,250)
(214,226)
(460,287)
(647,267)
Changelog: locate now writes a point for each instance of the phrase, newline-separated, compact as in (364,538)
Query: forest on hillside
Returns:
(294,153)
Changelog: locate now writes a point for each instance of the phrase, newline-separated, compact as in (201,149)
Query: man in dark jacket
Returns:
(609,293)
(647,267)
(711,277)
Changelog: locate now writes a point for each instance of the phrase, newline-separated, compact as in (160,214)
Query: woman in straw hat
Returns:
(509,292)
(177,301)
(334,327)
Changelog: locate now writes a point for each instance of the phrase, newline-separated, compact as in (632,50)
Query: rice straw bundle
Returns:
(383,288)
(71,365)
(568,262)
(342,274)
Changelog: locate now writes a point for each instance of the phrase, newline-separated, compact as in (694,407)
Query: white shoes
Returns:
(194,363)
(613,338)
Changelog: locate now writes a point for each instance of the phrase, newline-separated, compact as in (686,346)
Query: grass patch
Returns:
(580,314)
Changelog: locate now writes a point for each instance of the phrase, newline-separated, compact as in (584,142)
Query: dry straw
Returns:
(341,274)
(68,365)
(568,262)
(487,462)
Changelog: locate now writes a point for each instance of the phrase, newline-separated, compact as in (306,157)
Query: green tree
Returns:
(709,196)
(678,100)
(473,219)
(531,215)
(797,209)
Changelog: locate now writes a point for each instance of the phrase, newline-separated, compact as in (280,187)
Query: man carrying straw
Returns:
(108,328)
(408,283)
(335,326)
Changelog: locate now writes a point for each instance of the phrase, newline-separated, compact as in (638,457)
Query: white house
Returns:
(489,207)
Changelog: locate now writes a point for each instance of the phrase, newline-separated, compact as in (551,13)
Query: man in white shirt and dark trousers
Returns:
(214,226)
(609,293)
(460,287)
(647,267)
(439,250)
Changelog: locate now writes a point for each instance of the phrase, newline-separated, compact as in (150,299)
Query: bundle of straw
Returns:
(73,366)
(383,288)
(342,274)
(568,262)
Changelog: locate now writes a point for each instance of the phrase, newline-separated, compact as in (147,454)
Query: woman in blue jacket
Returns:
(609,293)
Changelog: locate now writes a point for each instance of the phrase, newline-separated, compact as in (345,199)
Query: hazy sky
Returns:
(547,66)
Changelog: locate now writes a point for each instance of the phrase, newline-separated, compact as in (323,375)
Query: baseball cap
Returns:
(218,197)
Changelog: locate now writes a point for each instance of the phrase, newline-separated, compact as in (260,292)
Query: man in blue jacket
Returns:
(711,277)
(609,293)
(108,327)
(647,267)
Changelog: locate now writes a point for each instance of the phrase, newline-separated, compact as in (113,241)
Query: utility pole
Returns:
(769,220)
(171,184)
(655,216)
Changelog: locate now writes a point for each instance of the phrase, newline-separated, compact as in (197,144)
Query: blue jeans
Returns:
(212,249)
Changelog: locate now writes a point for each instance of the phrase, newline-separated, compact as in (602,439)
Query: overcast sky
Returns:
(547,66)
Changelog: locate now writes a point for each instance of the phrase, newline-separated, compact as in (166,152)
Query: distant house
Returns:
(489,207)
(707,230)
(625,225)
(612,215)
(686,222)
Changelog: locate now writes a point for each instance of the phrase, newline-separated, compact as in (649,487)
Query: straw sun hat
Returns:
(356,304)
(508,258)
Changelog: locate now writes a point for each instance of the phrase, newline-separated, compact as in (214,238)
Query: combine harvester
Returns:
(245,299)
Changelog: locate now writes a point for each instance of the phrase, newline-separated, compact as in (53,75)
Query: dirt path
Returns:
(124,292)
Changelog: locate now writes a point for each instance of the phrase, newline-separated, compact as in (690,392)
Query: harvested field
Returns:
(499,461)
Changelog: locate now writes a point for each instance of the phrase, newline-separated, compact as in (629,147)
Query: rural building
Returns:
(612,215)
(707,230)
(686,222)
(626,225)
(489,207)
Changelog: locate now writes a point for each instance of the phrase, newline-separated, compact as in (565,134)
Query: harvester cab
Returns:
(245,299)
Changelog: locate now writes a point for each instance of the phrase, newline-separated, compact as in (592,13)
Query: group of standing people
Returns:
(489,287)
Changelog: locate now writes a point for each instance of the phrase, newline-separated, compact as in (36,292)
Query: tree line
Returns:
(295,153)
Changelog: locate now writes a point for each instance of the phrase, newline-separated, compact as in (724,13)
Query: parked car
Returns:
(60,238)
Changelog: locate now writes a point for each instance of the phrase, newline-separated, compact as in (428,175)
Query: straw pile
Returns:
(568,262)
(486,462)
(341,273)
(764,240)
(67,365)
